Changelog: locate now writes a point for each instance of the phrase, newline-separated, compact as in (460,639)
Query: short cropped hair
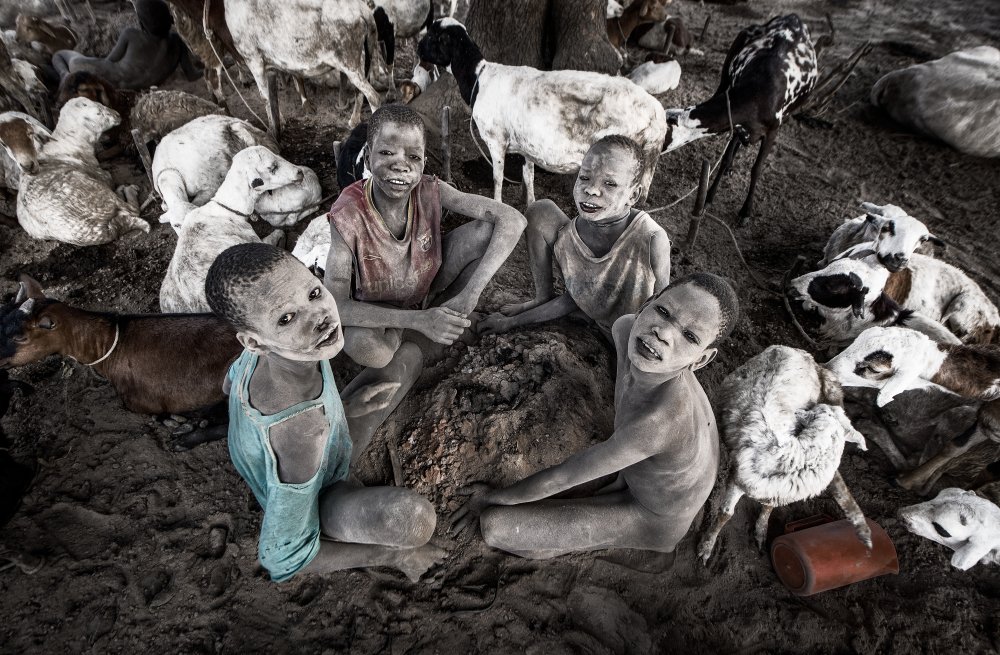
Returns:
(399,114)
(154,16)
(628,145)
(235,272)
(722,291)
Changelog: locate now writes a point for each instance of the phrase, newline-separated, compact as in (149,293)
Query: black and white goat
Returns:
(769,72)
(550,117)
(888,230)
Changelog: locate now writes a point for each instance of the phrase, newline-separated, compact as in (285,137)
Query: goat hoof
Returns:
(183,429)
(171,423)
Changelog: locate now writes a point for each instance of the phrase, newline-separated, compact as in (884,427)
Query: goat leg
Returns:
(724,167)
(922,478)
(300,87)
(760,529)
(726,509)
(765,147)
(528,173)
(200,436)
(273,114)
(838,489)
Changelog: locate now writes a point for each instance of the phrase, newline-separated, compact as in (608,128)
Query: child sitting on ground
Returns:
(612,256)
(665,447)
(290,437)
(389,268)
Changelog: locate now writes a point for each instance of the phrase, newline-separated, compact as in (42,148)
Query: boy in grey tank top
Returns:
(612,256)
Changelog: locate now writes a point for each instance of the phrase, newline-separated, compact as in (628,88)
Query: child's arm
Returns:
(508,224)
(439,324)
(659,260)
(558,307)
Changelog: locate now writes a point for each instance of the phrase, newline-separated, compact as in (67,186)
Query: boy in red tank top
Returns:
(389,268)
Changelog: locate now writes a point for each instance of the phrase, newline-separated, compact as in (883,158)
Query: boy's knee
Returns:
(414,515)
(544,216)
(370,348)
(411,358)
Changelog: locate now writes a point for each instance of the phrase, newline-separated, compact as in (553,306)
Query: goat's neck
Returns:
(71,139)
(969,372)
(88,336)
(466,66)
(235,194)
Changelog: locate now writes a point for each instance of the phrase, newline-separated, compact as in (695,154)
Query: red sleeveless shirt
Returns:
(387,269)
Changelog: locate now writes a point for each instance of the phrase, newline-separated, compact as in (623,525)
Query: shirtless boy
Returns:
(290,436)
(141,58)
(665,447)
(389,268)
(612,256)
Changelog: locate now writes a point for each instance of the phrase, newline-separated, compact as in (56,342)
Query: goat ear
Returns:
(872,218)
(969,554)
(937,241)
(256,182)
(31,287)
(897,384)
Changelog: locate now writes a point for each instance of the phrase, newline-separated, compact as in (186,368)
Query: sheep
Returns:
(157,363)
(81,124)
(550,117)
(39,33)
(656,78)
(157,113)
(960,520)
(892,233)
(895,359)
(639,12)
(191,162)
(955,99)
(220,223)
(313,245)
(68,200)
(769,72)
(311,38)
(851,295)
(784,424)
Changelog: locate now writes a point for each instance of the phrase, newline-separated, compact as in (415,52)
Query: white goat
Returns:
(960,520)
(192,161)
(309,38)
(955,99)
(550,117)
(313,245)
(221,223)
(891,232)
(784,424)
(656,79)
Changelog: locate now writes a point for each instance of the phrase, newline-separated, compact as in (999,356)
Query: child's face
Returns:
(293,315)
(396,159)
(605,187)
(673,331)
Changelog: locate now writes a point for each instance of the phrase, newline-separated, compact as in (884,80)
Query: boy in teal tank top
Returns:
(292,438)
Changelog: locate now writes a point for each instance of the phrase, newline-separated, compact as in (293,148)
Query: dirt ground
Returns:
(149,550)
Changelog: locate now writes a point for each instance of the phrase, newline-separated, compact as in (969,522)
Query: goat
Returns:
(955,99)
(851,295)
(769,72)
(10,170)
(49,38)
(19,84)
(14,477)
(639,12)
(191,162)
(895,359)
(69,199)
(220,223)
(311,38)
(960,520)
(656,78)
(157,113)
(157,363)
(349,156)
(550,117)
(654,36)
(784,424)
(892,234)
(209,49)
(313,245)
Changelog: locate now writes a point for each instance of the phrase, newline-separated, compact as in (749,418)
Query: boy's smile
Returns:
(674,331)
(396,160)
(606,186)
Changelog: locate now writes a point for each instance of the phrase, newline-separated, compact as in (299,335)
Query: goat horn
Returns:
(22,294)
(28,305)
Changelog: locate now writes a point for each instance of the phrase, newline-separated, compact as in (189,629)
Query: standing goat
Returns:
(784,424)
(550,117)
(769,72)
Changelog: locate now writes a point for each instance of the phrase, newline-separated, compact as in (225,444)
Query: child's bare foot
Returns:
(515,308)
(414,562)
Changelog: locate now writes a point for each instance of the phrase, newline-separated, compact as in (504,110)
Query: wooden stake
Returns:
(446,142)
(397,468)
(704,30)
(670,39)
(147,161)
(699,205)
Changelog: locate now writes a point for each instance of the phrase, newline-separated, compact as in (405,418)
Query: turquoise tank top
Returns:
(290,531)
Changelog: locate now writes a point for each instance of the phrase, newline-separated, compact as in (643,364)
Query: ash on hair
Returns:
(398,114)
(233,277)
(721,290)
(629,146)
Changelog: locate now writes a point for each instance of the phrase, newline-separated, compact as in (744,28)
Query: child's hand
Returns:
(461,304)
(494,324)
(468,514)
(372,398)
(441,324)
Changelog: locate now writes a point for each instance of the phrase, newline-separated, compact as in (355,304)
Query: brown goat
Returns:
(638,13)
(158,363)
(51,38)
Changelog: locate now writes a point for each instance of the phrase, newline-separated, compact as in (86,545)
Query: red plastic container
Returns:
(812,558)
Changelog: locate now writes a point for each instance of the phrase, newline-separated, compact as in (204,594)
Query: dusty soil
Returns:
(149,550)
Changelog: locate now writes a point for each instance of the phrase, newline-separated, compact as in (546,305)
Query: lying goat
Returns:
(158,363)
(784,424)
(888,230)
(550,117)
(960,520)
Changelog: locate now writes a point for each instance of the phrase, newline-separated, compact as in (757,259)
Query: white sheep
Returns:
(219,224)
(313,245)
(960,520)
(310,38)
(656,79)
(889,230)
(784,424)
(550,117)
(955,99)
(895,360)
(192,161)
(77,134)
